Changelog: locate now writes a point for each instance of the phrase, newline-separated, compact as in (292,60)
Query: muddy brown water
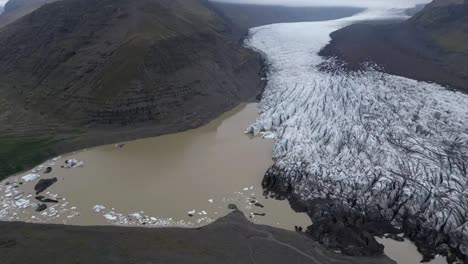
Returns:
(158,181)
(406,252)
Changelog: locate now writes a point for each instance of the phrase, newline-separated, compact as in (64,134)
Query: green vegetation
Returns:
(17,154)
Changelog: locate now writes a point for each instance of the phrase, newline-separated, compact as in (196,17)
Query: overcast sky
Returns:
(355,3)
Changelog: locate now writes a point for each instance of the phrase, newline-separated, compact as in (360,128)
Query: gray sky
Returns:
(358,3)
(355,3)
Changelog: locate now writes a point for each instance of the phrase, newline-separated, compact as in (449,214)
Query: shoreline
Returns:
(231,239)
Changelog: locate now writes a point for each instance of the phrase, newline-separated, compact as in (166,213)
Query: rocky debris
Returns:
(298,228)
(259,205)
(43,184)
(45,199)
(48,170)
(41,208)
(395,237)
(191,213)
(120,145)
(232,207)
(259,214)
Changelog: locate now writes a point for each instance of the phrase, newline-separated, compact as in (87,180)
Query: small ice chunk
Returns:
(73,163)
(136,215)
(191,213)
(30,177)
(246,189)
(98,208)
(203,212)
(23,203)
(110,217)
(210,200)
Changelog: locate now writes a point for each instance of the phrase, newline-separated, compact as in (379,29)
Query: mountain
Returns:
(15,9)
(77,73)
(251,15)
(430,46)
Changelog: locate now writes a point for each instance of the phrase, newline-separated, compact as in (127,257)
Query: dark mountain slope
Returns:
(87,72)
(431,46)
(251,15)
(15,9)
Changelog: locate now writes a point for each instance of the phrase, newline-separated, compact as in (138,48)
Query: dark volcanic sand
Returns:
(232,239)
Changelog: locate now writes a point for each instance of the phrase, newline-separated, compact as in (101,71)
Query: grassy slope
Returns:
(16,153)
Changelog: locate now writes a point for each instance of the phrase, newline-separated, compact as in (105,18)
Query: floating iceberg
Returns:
(30,177)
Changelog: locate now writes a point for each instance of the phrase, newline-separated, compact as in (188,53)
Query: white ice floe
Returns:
(191,213)
(73,163)
(110,217)
(98,208)
(30,177)
(368,139)
(23,203)
(136,215)
(210,200)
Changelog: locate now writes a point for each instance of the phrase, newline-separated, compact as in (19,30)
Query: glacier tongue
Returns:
(367,139)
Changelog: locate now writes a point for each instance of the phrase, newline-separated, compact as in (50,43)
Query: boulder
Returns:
(43,184)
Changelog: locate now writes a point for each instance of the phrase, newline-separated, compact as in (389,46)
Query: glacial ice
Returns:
(30,177)
(367,139)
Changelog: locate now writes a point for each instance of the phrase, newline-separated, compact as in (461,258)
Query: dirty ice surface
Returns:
(368,139)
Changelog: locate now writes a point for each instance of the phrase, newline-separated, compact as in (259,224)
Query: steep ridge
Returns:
(14,9)
(431,46)
(86,72)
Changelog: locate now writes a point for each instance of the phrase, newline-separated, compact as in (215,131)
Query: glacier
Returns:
(367,140)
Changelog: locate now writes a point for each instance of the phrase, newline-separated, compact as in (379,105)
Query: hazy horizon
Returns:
(336,3)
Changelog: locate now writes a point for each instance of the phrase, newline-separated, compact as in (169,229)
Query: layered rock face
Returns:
(364,153)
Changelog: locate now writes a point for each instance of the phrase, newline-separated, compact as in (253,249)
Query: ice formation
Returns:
(366,139)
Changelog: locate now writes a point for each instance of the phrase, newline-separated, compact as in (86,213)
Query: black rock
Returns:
(232,207)
(395,237)
(48,170)
(45,199)
(43,184)
(259,214)
(41,208)
(259,205)
(7,183)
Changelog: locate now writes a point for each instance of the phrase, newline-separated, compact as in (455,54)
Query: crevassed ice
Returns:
(383,140)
